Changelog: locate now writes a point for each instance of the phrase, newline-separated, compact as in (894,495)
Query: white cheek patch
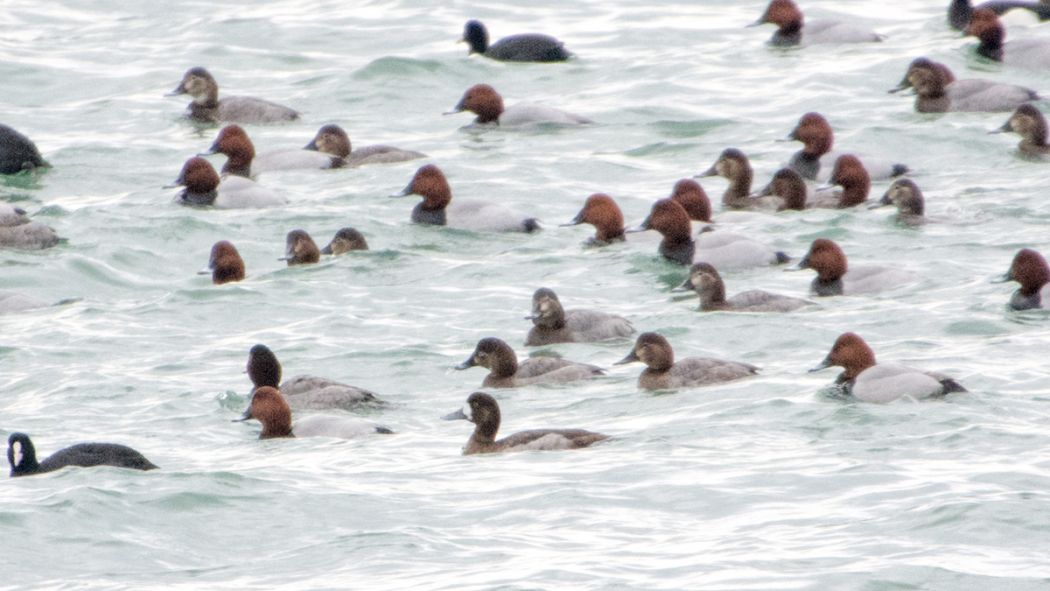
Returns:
(469,412)
(16,447)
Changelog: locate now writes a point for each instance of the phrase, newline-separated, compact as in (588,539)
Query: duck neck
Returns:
(238,164)
(788,34)
(678,249)
(827,287)
(991,45)
(854,192)
(433,217)
(737,195)
(192,198)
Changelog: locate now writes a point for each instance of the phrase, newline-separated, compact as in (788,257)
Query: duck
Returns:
(19,232)
(707,283)
(937,90)
(691,196)
(792,30)
(345,240)
(487,104)
(18,153)
(305,392)
(300,249)
(225,264)
(1027,53)
(1029,268)
(602,212)
(505,372)
(1030,124)
(735,166)
(271,409)
(663,373)
(867,381)
(234,143)
(849,174)
(728,250)
(670,219)
(815,160)
(21,454)
(207,107)
(911,206)
(524,47)
(437,208)
(483,410)
(203,187)
(790,188)
(960,11)
(331,148)
(554,324)
(836,277)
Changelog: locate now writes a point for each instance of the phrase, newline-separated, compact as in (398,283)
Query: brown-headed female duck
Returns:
(331,148)
(601,212)
(438,209)
(483,410)
(1029,268)
(870,382)
(225,264)
(300,249)
(937,90)
(816,159)
(1028,53)
(693,198)
(21,454)
(669,218)
(960,11)
(18,231)
(345,240)
(792,30)
(487,104)
(663,373)
(735,166)
(305,392)
(18,153)
(554,324)
(707,283)
(836,277)
(906,195)
(523,47)
(1028,122)
(505,372)
(207,107)
(270,408)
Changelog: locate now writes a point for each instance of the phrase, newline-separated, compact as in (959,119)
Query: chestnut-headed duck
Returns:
(906,195)
(345,240)
(937,90)
(601,212)
(1029,268)
(693,198)
(331,148)
(483,410)
(505,372)
(207,107)
(487,104)
(868,382)
(1027,53)
(18,231)
(662,372)
(234,143)
(203,187)
(1028,122)
(225,264)
(271,409)
(670,219)
(300,249)
(849,174)
(523,47)
(554,324)
(305,392)
(792,30)
(21,454)
(438,209)
(18,153)
(707,283)
(836,277)
(815,160)
(790,187)
(960,11)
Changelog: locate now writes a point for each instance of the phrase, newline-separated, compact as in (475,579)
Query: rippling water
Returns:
(761,484)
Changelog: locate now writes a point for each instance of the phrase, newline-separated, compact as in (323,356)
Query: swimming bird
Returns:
(662,372)
(505,372)
(21,454)
(554,324)
(523,47)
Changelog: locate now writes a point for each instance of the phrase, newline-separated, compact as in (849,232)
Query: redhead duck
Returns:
(785,14)
(850,174)
(789,186)
(22,456)
(234,143)
(907,196)
(207,107)
(960,11)
(1029,123)
(1028,53)
(691,196)
(331,148)
(868,382)
(836,277)
(305,392)
(554,324)
(203,187)
(438,209)
(487,104)
(300,249)
(815,160)
(1029,268)
(601,212)
(524,47)
(272,410)
(663,373)
(707,283)
(17,152)
(225,264)
(669,218)
(345,240)
(483,410)
(18,231)
(505,372)
(937,90)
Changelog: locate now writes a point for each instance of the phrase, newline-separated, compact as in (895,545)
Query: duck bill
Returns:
(823,365)
(631,358)
(180,89)
(576,221)
(766,191)
(312,145)
(709,172)
(245,416)
(214,149)
(404,192)
(1005,278)
(882,202)
(327,249)
(459,415)
(205,271)
(802,265)
(686,285)
(469,363)
(1006,128)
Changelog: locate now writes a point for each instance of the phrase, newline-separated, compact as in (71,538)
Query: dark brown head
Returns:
(200,85)
(1028,122)
(198,176)
(815,133)
(225,263)
(788,185)
(850,174)
(985,25)
(784,14)
(235,144)
(1030,269)
(300,249)
(668,218)
(653,350)
(826,258)
(483,411)
(263,368)
(601,212)
(851,353)
(483,101)
(693,198)
(345,240)
(494,355)
(430,183)
(707,283)
(547,311)
(907,196)
(331,139)
(271,409)
(925,66)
